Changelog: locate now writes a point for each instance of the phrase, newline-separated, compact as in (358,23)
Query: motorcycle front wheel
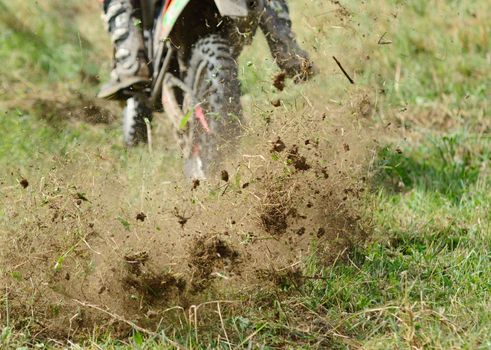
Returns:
(212,77)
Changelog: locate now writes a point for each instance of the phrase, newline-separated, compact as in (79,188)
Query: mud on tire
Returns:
(213,77)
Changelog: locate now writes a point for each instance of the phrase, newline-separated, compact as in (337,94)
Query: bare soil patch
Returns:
(58,109)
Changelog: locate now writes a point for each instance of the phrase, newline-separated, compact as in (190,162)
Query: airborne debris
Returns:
(150,285)
(276,103)
(224,176)
(383,41)
(325,173)
(274,217)
(343,70)
(81,196)
(195,185)
(143,269)
(182,219)
(206,255)
(24,183)
(136,258)
(278,146)
(274,220)
(299,162)
(279,81)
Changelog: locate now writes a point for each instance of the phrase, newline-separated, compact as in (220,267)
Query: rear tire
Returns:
(134,125)
(213,77)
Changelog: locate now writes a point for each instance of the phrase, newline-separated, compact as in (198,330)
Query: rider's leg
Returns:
(276,24)
(130,69)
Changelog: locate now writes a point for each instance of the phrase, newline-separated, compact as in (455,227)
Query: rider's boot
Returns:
(130,71)
(276,24)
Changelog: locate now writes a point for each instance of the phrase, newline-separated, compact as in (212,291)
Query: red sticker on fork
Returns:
(200,115)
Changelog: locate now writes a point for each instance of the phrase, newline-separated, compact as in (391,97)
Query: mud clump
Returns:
(195,184)
(155,287)
(224,176)
(141,216)
(150,285)
(278,146)
(279,81)
(274,220)
(277,210)
(207,256)
(135,261)
(298,161)
(24,183)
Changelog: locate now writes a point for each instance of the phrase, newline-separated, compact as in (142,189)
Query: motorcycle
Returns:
(192,46)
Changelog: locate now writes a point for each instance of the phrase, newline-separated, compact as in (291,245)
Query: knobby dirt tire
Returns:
(213,77)
(134,125)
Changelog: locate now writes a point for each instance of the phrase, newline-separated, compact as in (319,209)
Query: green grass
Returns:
(40,44)
(43,55)
(423,280)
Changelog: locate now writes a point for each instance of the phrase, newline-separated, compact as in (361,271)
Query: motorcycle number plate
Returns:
(232,8)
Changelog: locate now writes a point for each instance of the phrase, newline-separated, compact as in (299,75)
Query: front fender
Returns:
(171,15)
(231,8)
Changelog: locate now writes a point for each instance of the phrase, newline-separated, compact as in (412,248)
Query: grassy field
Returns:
(423,278)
